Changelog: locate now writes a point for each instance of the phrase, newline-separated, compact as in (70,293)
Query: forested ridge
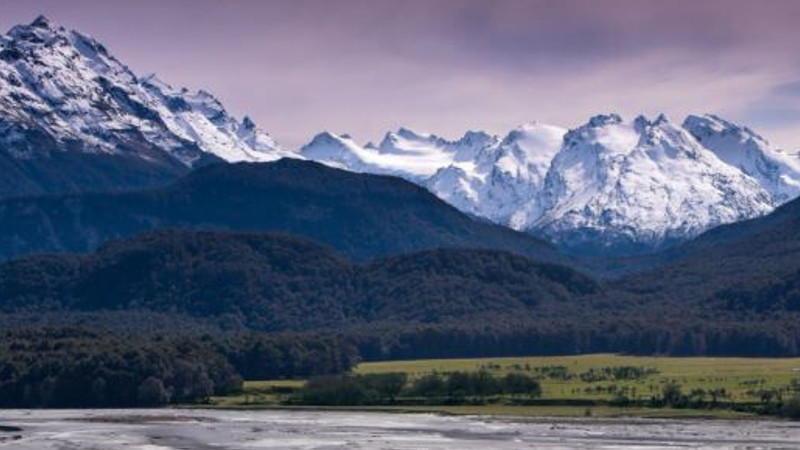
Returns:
(436,303)
(361,216)
(270,282)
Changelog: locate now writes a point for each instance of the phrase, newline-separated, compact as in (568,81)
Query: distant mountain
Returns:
(74,118)
(362,216)
(777,172)
(605,188)
(498,179)
(638,186)
(278,282)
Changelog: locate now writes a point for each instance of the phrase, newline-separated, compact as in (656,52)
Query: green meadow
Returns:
(743,379)
(584,385)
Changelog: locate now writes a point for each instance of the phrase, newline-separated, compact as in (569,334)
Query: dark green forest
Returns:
(66,366)
(361,216)
(174,316)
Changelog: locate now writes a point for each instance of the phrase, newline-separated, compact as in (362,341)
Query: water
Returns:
(206,429)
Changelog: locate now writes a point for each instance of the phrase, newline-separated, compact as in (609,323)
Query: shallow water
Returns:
(206,429)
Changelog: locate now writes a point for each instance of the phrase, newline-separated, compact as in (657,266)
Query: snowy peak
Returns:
(535,141)
(640,185)
(608,185)
(65,88)
(604,133)
(602,120)
(407,142)
(42,22)
(709,125)
(40,31)
(325,146)
(331,148)
(740,147)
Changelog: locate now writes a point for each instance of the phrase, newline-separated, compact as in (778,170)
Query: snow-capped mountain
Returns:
(74,118)
(606,186)
(62,90)
(776,171)
(635,185)
(479,173)
(504,179)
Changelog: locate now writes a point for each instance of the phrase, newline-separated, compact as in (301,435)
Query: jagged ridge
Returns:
(609,186)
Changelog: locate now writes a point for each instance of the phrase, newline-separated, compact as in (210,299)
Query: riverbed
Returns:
(165,429)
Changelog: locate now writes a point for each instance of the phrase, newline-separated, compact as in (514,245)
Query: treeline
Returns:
(70,367)
(435,388)
(503,335)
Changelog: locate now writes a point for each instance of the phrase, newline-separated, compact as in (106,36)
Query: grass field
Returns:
(577,378)
(740,377)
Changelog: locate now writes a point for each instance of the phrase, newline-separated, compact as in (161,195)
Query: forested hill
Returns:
(751,266)
(277,282)
(361,216)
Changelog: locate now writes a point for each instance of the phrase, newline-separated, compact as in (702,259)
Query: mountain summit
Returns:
(610,186)
(63,95)
(65,87)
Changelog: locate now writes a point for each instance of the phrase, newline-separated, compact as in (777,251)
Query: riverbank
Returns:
(227,430)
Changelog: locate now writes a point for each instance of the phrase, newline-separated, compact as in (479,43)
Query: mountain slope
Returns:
(362,216)
(608,187)
(63,93)
(639,186)
(498,179)
(742,148)
(437,303)
(735,269)
(277,282)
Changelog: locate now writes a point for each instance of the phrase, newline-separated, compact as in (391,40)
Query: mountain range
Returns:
(73,118)
(607,187)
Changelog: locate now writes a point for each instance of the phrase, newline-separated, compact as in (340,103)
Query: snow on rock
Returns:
(609,185)
(503,181)
(639,185)
(63,90)
(778,172)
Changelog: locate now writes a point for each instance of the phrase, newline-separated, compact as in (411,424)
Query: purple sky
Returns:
(365,66)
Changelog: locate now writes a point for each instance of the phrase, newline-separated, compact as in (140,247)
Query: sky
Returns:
(363,67)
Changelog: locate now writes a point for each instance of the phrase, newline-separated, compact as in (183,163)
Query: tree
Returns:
(485,384)
(673,395)
(431,385)
(386,385)
(791,408)
(152,392)
(518,383)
